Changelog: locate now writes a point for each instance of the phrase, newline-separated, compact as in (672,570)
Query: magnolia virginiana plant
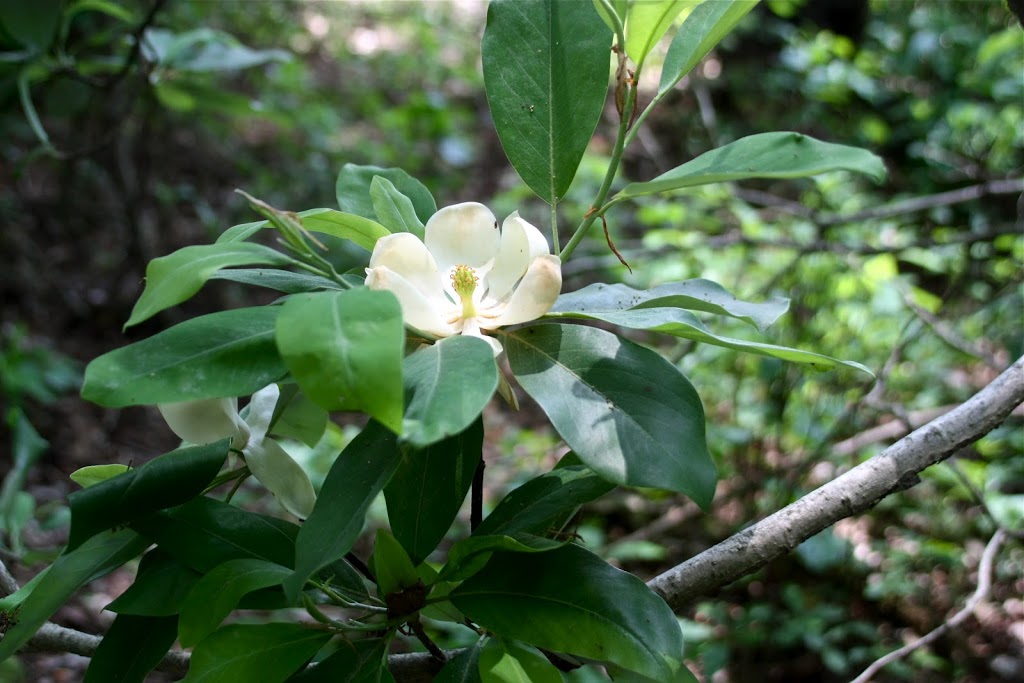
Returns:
(412,341)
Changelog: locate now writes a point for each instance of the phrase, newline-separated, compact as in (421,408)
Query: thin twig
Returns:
(984,586)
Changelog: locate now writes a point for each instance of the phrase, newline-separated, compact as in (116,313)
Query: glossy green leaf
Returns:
(345,350)
(469,555)
(620,7)
(393,209)
(268,653)
(159,589)
(354,480)
(33,25)
(358,227)
(131,648)
(297,417)
(546,69)
(448,384)
(91,475)
(462,668)
(695,295)
(204,533)
(647,22)
(161,483)
(620,675)
(702,29)
(353,190)
(359,661)
(215,595)
(428,488)
(392,566)
(69,572)
(684,324)
(628,413)
(176,277)
(544,502)
(233,352)
(570,600)
(278,280)
(766,155)
(508,661)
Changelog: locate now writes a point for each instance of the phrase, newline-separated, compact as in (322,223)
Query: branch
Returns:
(894,469)
(984,586)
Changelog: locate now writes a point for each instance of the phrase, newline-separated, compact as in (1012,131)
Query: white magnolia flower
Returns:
(466,276)
(210,420)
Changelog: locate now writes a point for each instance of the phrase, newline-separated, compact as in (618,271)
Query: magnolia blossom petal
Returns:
(261,411)
(403,253)
(282,476)
(462,235)
(535,295)
(419,311)
(206,420)
(521,242)
(472,329)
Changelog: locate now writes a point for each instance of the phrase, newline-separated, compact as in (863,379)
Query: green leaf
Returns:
(767,155)
(204,533)
(233,352)
(161,483)
(546,68)
(544,502)
(392,566)
(215,595)
(361,229)
(94,474)
(628,413)
(360,661)
(394,209)
(176,277)
(268,653)
(298,417)
(462,668)
(684,324)
(469,555)
(620,7)
(647,22)
(353,190)
(696,295)
(345,350)
(426,491)
(69,572)
(354,480)
(702,29)
(131,648)
(205,49)
(159,589)
(449,383)
(278,280)
(34,25)
(569,600)
(504,661)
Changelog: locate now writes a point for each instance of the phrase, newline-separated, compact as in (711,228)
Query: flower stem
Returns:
(554,225)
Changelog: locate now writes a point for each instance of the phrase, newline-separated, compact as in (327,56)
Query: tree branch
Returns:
(894,469)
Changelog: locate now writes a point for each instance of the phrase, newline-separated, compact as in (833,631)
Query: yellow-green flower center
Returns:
(464,280)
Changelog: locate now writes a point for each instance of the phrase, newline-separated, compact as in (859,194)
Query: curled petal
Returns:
(206,420)
(521,243)
(418,310)
(463,234)
(261,410)
(403,253)
(535,295)
(282,476)
(472,329)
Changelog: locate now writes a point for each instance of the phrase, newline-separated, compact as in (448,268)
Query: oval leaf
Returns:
(163,482)
(359,661)
(268,653)
(131,648)
(232,351)
(702,29)
(570,600)
(353,190)
(448,383)
(511,662)
(215,595)
(546,67)
(359,228)
(393,208)
(647,22)
(469,555)
(174,278)
(628,413)
(160,587)
(345,350)
(767,155)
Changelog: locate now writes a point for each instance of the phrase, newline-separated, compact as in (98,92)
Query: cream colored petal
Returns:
(535,294)
(206,420)
(521,243)
(419,311)
(261,411)
(462,235)
(473,330)
(405,254)
(282,476)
